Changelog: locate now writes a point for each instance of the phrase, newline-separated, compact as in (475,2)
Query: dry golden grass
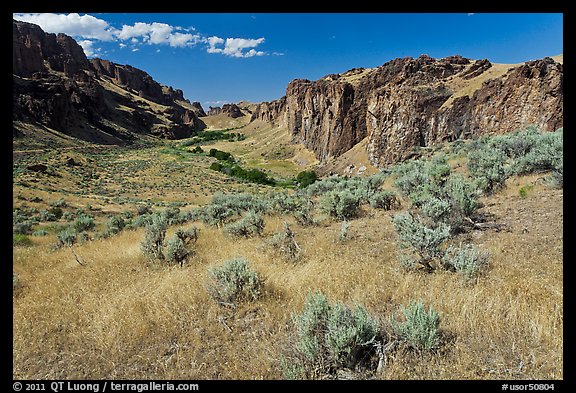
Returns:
(117,317)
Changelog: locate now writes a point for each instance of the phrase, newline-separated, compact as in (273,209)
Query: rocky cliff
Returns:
(230,110)
(407,103)
(56,86)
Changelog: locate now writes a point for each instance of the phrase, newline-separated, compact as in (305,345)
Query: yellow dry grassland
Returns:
(100,310)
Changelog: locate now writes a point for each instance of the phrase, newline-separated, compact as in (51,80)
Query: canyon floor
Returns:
(98,310)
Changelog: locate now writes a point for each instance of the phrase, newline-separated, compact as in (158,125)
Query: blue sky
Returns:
(221,58)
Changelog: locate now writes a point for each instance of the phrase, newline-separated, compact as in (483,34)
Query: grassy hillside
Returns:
(102,309)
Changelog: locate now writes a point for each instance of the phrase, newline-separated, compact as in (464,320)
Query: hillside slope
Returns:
(58,93)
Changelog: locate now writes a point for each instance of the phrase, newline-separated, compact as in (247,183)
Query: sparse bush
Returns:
(83,223)
(67,237)
(557,178)
(143,209)
(411,176)
(241,202)
(466,260)
(234,282)
(420,328)
(328,337)
(487,166)
(386,200)
(15,281)
(251,224)
(115,225)
(142,221)
(342,205)
(40,232)
(545,154)
(344,231)
(154,234)
(19,239)
(68,216)
(176,251)
(285,243)
(416,236)
(22,228)
(59,203)
(189,235)
(304,213)
(217,215)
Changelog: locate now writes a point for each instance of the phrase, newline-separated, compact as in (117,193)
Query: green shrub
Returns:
(419,328)
(153,244)
(220,155)
(67,237)
(466,260)
(234,282)
(342,205)
(328,337)
(251,224)
(19,239)
(305,178)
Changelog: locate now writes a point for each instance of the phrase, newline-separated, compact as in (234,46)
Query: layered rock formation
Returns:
(230,110)
(407,103)
(55,85)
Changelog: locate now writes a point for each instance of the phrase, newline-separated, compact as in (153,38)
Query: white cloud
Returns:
(88,47)
(87,29)
(135,49)
(158,34)
(235,47)
(85,26)
(182,40)
(470,13)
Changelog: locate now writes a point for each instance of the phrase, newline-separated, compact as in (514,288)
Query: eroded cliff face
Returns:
(55,85)
(404,116)
(407,103)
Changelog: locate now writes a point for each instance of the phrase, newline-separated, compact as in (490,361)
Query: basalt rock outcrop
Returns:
(230,110)
(413,102)
(56,86)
